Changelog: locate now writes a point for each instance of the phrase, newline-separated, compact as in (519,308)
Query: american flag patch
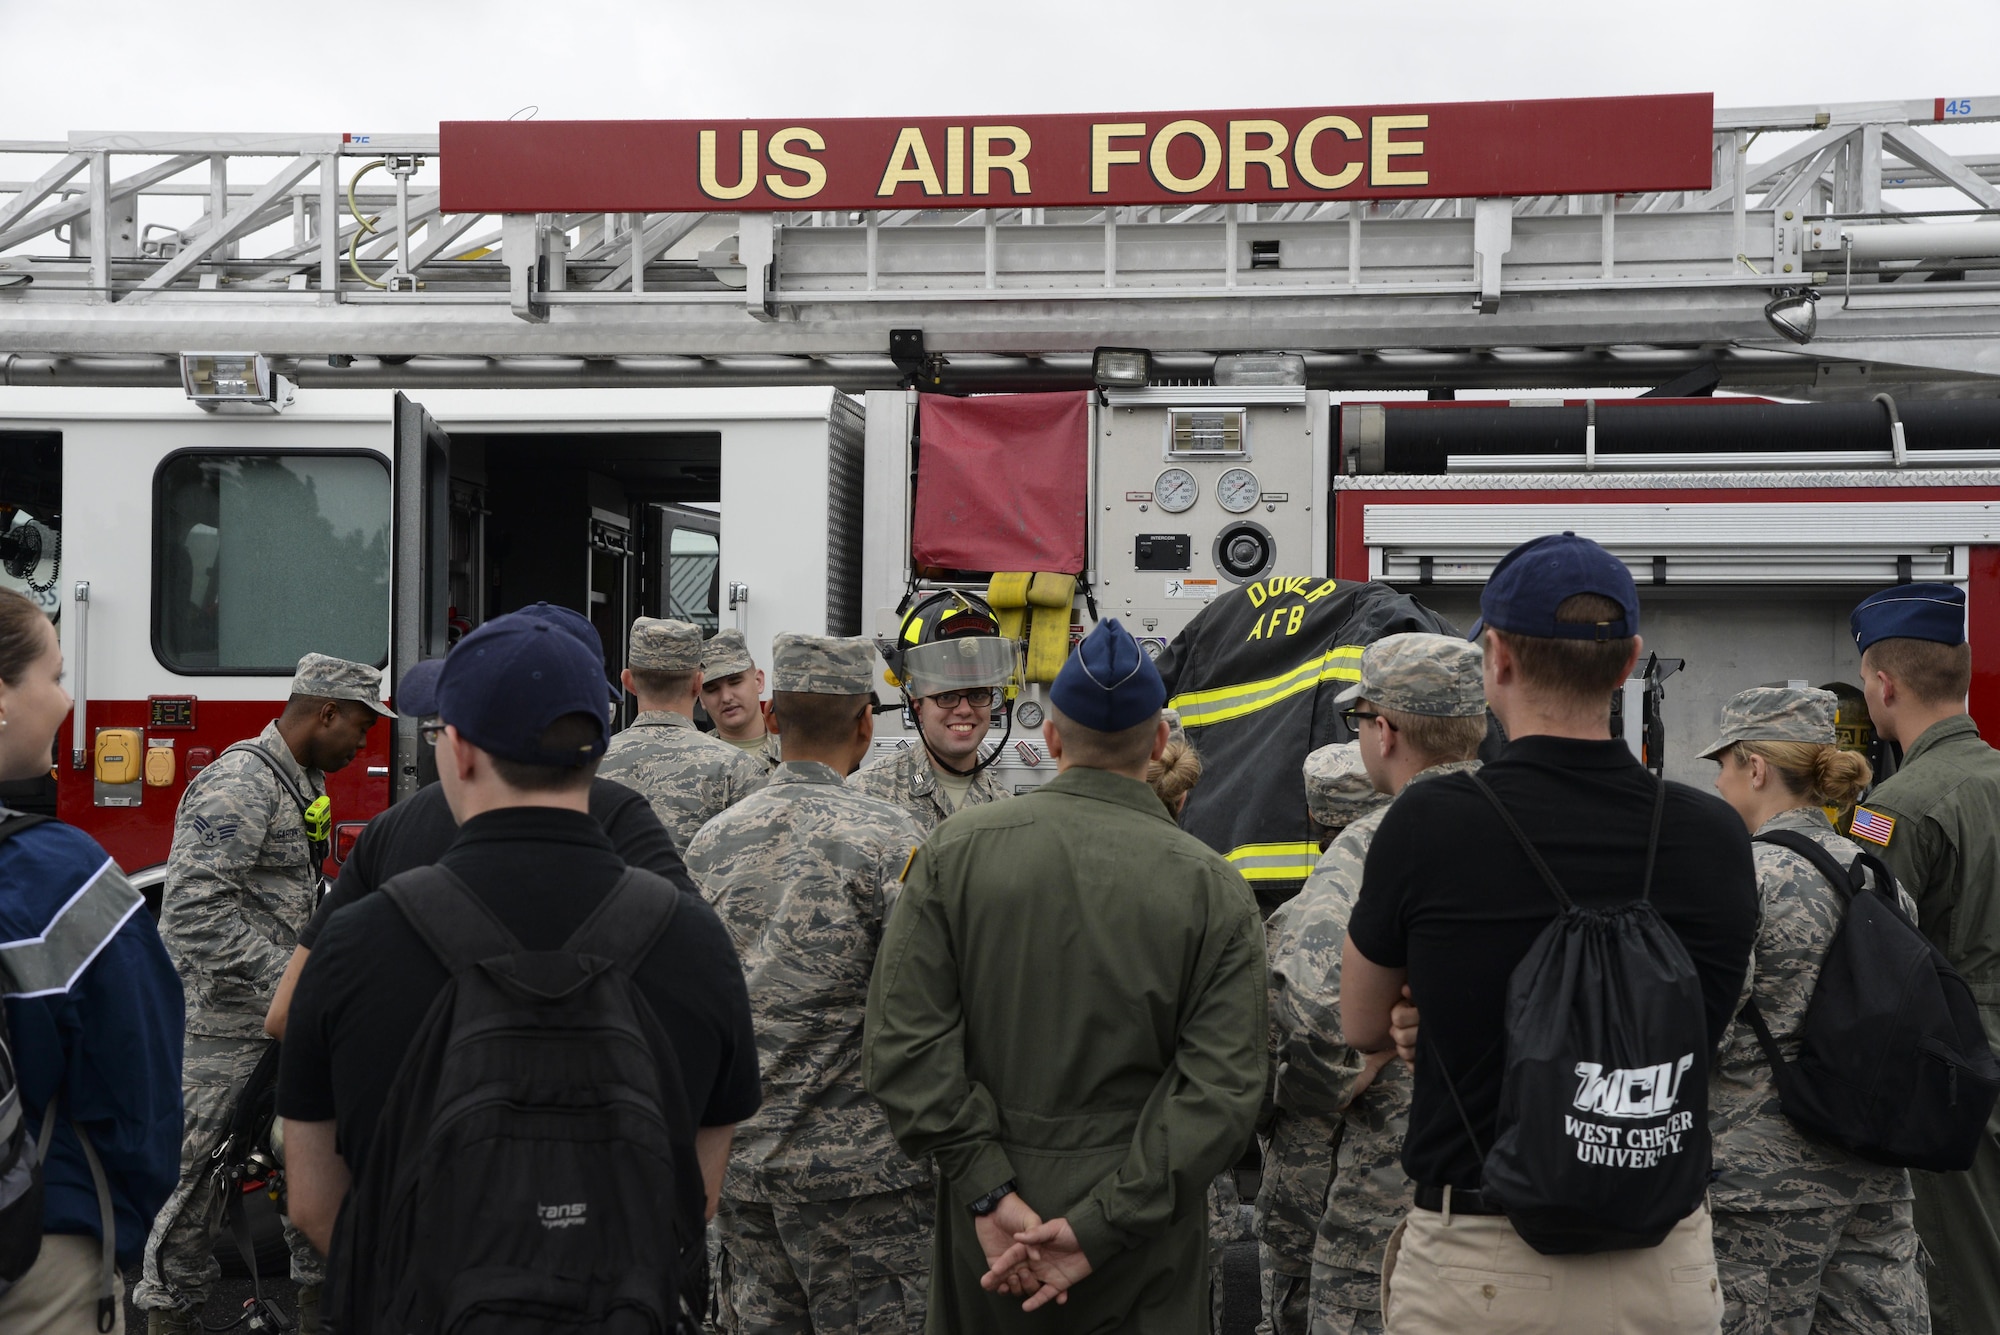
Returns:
(1873,826)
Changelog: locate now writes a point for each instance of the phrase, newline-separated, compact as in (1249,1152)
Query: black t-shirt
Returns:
(1448,894)
(417,830)
(370,981)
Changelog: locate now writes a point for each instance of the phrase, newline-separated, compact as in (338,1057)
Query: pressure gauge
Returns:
(1028,714)
(1175,490)
(1236,490)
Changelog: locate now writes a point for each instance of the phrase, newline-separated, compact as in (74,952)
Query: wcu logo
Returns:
(1638,1091)
(562,1216)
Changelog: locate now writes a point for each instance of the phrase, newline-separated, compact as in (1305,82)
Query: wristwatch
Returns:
(990,1202)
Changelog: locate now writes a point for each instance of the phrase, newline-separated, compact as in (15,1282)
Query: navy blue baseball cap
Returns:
(1910,612)
(573,622)
(418,696)
(1532,581)
(1109,683)
(505,683)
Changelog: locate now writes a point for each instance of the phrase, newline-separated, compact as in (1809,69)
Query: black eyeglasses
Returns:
(430,732)
(1355,713)
(984,697)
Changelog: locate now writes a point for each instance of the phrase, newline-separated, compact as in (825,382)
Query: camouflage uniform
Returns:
(861,1264)
(240,885)
(1299,1147)
(180,1265)
(825,1222)
(1229,1223)
(1800,1227)
(1367,1194)
(762,749)
(688,776)
(1805,1235)
(239,888)
(725,654)
(908,780)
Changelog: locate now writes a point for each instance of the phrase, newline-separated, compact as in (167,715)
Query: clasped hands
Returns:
(1403,1027)
(1027,1258)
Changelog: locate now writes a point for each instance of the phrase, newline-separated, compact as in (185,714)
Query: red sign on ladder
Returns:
(1575,146)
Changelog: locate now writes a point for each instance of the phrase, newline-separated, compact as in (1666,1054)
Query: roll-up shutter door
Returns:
(1806,542)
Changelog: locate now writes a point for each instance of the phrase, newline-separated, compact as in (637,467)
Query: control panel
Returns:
(1200,490)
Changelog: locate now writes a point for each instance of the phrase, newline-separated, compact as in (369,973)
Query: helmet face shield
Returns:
(960,664)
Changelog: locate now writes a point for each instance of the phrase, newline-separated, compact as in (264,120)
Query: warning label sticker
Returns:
(1193,588)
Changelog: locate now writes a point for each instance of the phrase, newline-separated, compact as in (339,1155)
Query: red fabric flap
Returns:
(1002,482)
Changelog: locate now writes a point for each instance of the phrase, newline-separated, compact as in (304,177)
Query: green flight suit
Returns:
(1070,995)
(1945,850)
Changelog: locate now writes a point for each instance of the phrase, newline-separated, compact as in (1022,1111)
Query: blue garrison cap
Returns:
(1910,612)
(505,683)
(1532,581)
(1109,683)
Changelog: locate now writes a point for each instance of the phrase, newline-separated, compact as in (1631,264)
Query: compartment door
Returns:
(421,572)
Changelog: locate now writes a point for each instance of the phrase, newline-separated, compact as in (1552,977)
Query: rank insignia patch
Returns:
(1873,826)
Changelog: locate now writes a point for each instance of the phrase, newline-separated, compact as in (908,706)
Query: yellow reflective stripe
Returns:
(1274,862)
(1202,708)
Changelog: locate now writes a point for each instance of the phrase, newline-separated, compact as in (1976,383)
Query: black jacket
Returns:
(1254,677)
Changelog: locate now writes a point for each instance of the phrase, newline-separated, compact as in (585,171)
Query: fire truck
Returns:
(186,557)
(454,390)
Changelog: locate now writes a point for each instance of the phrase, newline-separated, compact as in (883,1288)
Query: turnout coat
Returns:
(1070,995)
(1255,676)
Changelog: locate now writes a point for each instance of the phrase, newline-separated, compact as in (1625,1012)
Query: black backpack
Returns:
(1602,1136)
(1893,1064)
(524,1177)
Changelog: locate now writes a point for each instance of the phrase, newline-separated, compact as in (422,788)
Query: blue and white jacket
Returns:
(93,1011)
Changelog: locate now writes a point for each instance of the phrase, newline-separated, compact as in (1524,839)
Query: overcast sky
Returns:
(281,65)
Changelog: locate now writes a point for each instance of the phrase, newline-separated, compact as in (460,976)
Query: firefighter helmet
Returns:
(1853,729)
(950,641)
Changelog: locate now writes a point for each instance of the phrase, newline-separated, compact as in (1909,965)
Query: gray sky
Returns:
(282,65)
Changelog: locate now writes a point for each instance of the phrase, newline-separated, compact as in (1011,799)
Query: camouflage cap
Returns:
(664,646)
(1338,792)
(822,665)
(1777,714)
(329,678)
(726,654)
(1418,673)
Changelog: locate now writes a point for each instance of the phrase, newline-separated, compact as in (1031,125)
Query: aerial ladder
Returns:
(1796,273)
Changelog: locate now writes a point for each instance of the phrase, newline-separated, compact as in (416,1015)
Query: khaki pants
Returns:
(58,1295)
(1475,1274)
